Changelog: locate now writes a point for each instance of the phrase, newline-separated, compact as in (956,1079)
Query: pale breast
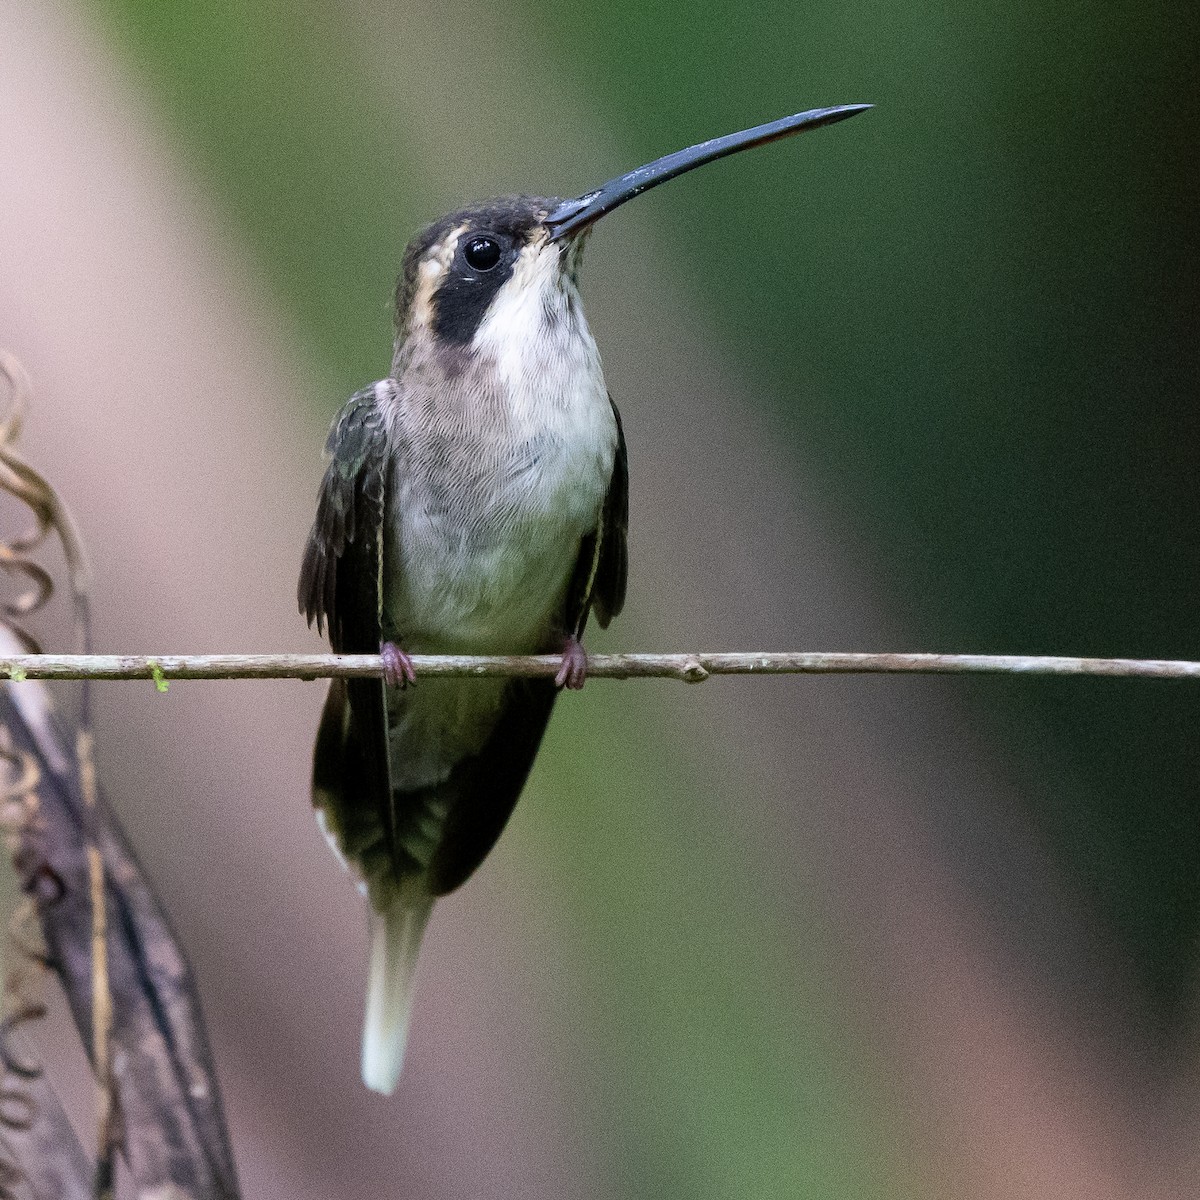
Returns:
(496,482)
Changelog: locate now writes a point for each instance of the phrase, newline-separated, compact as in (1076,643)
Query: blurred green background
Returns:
(955,341)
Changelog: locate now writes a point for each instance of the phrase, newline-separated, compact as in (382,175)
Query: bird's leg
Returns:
(398,668)
(573,672)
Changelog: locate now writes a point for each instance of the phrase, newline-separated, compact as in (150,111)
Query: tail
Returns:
(395,940)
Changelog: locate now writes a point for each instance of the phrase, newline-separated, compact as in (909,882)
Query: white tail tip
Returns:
(395,941)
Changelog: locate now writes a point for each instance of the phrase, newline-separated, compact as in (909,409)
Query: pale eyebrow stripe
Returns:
(430,273)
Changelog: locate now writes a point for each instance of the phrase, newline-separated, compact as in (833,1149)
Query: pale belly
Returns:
(483,591)
(482,574)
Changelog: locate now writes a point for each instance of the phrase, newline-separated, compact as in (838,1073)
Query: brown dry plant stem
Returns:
(170,1123)
(39,1152)
(27,485)
(127,983)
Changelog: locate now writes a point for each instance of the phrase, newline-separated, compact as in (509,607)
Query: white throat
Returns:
(537,336)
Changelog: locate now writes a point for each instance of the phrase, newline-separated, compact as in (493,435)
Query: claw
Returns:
(573,672)
(398,670)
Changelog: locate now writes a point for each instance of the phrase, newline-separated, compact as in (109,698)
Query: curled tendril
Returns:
(17,1110)
(24,979)
(13,1184)
(22,482)
(11,1061)
(20,776)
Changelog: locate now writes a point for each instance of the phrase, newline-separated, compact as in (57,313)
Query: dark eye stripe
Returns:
(467,291)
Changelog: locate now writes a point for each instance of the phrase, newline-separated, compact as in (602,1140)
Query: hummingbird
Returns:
(475,501)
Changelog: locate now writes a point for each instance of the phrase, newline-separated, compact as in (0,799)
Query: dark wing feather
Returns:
(475,800)
(608,592)
(482,790)
(339,576)
(602,568)
(340,589)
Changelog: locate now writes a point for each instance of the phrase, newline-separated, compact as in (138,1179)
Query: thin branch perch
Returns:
(689,667)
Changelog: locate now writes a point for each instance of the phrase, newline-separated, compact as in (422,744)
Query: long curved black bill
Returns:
(573,215)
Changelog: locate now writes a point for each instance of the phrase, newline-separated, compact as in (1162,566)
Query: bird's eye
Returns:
(482,253)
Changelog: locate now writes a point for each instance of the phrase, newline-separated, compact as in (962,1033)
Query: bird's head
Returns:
(492,262)
(506,268)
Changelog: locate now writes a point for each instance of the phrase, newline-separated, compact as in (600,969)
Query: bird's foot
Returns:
(398,670)
(573,672)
